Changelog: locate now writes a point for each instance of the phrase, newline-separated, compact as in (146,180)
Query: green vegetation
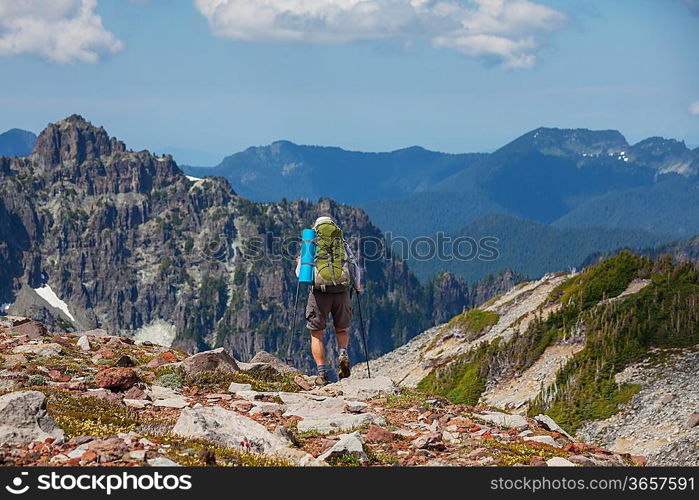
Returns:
(664,314)
(263,382)
(464,379)
(520,453)
(406,399)
(474,320)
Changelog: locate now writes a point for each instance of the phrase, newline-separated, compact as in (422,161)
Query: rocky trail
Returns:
(89,398)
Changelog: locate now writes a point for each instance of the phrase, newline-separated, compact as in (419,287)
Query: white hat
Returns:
(322,220)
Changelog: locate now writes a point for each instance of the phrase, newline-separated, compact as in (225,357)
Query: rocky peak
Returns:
(74,139)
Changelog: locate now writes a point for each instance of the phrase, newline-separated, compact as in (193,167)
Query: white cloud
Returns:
(60,31)
(507,30)
(694,108)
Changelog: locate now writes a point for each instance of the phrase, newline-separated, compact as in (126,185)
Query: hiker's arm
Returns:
(356,273)
(298,266)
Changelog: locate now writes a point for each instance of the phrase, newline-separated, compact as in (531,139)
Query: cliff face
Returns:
(132,245)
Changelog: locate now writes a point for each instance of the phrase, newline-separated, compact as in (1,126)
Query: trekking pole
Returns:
(361,322)
(293,328)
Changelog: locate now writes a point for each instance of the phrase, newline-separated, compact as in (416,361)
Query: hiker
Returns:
(335,272)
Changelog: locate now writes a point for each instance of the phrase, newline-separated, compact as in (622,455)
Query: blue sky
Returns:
(176,76)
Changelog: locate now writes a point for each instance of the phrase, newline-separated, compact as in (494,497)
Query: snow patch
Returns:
(4,307)
(49,296)
(159,332)
(193,179)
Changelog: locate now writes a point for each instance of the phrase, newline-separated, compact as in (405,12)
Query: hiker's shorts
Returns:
(320,304)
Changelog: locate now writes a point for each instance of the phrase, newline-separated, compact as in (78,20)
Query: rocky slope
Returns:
(609,352)
(90,398)
(93,235)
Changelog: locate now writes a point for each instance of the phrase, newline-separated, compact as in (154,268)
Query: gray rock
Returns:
(84,343)
(162,462)
(582,461)
(47,350)
(272,364)
(23,419)
(693,420)
(356,406)
(136,403)
(216,360)
(337,423)
(504,420)
(559,462)
(667,398)
(230,429)
(161,392)
(176,402)
(543,439)
(308,407)
(349,444)
(365,388)
(262,407)
(551,425)
(235,387)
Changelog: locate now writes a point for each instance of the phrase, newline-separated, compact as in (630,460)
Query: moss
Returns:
(519,453)
(406,399)
(345,460)
(36,380)
(89,416)
(218,381)
(474,320)
(172,380)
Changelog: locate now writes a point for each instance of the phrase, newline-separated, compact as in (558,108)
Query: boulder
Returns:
(84,343)
(339,422)
(666,399)
(349,444)
(216,360)
(236,431)
(116,378)
(549,424)
(47,350)
(32,329)
(23,419)
(235,387)
(273,362)
(504,420)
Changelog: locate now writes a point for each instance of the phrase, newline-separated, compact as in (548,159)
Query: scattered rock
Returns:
(135,393)
(548,423)
(693,420)
(84,343)
(23,419)
(349,444)
(136,403)
(125,361)
(582,461)
(108,450)
(263,357)
(302,383)
(377,434)
(235,387)
(546,439)
(639,460)
(32,329)
(366,388)
(47,350)
(162,462)
(105,394)
(15,360)
(356,406)
(106,353)
(432,440)
(667,398)
(504,420)
(341,422)
(287,434)
(559,462)
(176,402)
(116,378)
(217,360)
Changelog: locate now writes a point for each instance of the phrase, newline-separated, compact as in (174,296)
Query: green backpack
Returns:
(331,264)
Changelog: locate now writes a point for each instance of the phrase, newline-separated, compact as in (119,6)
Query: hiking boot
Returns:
(343,364)
(321,379)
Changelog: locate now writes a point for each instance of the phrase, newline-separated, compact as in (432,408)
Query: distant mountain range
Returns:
(557,192)
(566,177)
(16,142)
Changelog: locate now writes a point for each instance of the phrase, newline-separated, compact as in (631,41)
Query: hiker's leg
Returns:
(317,347)
(341,311)
(342,337)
